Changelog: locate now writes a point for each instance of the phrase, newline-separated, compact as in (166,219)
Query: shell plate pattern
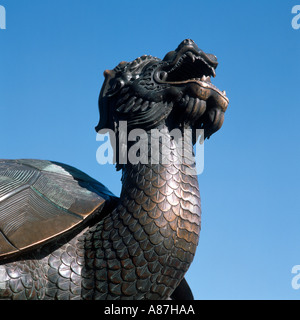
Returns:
(42,199)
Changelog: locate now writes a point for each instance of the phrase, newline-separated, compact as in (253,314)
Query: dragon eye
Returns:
(117,85)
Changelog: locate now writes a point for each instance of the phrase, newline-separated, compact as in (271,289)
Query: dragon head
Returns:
(176,91)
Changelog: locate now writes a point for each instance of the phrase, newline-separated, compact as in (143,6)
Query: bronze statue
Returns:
(63,235)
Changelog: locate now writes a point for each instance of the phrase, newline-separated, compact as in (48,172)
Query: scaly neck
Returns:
(164,197)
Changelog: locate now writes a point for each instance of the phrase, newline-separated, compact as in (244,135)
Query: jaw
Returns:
(188,66)
(202,104)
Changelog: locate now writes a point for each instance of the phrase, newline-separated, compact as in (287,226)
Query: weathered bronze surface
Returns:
(63,235)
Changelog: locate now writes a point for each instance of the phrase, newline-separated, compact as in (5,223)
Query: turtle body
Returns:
(45,207)
(63,235)
(41,200)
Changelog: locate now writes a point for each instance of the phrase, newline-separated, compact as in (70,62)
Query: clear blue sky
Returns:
(52,58)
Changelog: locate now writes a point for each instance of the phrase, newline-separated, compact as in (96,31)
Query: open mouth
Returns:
(188,67)
(189,64)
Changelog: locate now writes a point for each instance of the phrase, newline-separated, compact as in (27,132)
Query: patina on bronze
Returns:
(63,235)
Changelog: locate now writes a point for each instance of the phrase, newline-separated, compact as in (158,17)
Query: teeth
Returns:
(189,54)
(203,78)
(193,57)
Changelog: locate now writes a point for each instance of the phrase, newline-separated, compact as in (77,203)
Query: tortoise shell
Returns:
(40,200)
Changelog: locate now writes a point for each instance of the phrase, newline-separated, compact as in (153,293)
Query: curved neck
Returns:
(164,195)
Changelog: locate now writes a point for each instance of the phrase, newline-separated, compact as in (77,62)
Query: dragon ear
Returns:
(105,121)
(110,86)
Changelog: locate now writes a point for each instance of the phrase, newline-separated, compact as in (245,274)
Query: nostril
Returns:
(186,42)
